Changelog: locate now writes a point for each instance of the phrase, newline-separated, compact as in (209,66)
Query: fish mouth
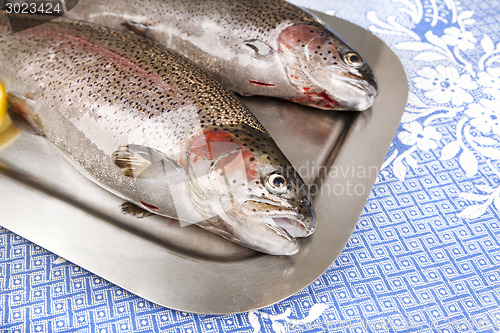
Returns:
(364,87)
(290,226)
(284,222)
(363,94)
(347,91)
(264,226)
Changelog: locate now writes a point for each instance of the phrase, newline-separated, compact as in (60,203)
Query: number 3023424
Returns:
(34,7)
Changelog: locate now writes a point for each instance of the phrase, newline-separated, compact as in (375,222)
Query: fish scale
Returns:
(172,73)
(126,112)
(240,43)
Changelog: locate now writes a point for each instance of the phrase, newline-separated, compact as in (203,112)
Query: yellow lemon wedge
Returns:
(3,105)
(8,132)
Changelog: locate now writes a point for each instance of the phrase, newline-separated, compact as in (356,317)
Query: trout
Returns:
(153,128)
(254,47)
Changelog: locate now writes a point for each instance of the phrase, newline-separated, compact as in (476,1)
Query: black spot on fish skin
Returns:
(85,70)
(181,80)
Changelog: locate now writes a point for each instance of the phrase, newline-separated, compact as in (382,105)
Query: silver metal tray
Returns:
(46,201)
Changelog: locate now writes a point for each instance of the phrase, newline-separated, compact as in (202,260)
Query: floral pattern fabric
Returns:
(425,254)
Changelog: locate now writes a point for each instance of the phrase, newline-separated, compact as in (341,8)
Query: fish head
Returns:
(257,198)
(325,71)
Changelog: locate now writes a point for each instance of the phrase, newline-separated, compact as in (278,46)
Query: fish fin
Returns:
(131,163)
(129,208)
(144,162)
(260,47)
(138,28)
(20,109)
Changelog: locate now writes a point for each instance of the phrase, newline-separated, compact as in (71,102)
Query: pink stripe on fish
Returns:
(86,44)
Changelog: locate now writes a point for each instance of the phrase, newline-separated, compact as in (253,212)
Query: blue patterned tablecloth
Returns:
(425,254)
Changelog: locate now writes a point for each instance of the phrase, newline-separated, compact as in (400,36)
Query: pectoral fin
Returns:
(21,111)
(164,183)
(143,162)
(260,47)
(138,28)
(134,210)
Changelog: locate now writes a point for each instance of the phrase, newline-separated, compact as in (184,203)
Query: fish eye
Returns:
(276,183)
(353,59)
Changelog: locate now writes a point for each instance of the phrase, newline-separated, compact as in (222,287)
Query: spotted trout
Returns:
(151,127)
(254,47)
